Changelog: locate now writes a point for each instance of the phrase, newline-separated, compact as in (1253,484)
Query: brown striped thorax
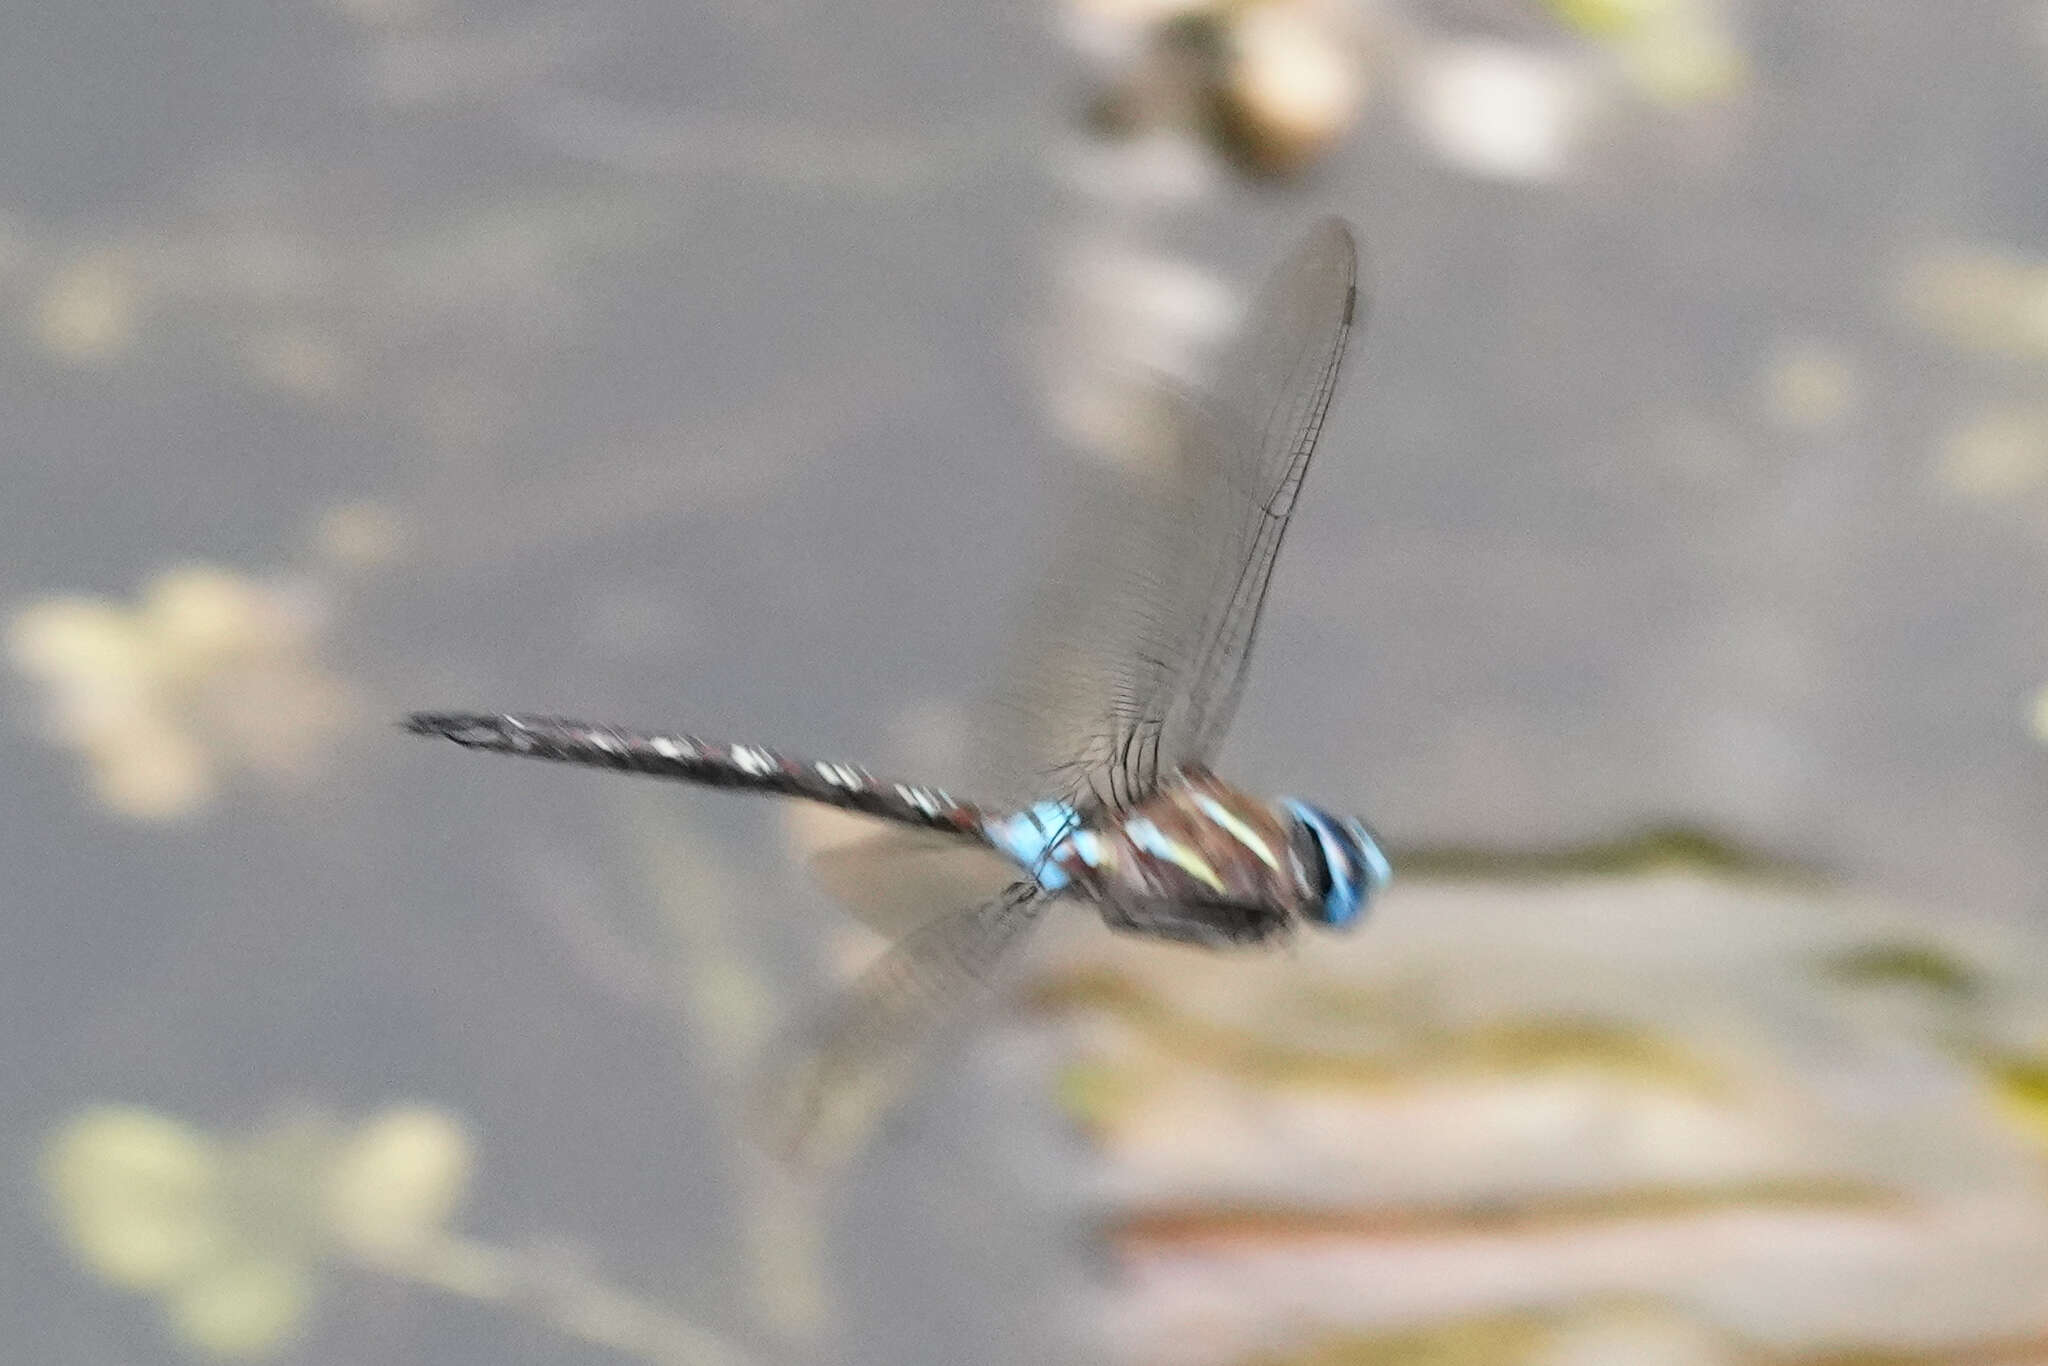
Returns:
(1202,862)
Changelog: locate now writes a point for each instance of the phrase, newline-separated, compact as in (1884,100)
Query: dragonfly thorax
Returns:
(1200,862)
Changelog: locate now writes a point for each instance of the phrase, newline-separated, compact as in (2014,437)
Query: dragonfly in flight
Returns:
(1100,746)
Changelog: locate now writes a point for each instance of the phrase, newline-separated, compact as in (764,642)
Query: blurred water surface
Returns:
(703,366)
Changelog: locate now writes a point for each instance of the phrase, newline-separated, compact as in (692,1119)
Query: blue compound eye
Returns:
(1345,864)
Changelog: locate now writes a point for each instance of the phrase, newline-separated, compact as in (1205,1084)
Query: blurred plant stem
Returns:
(721,1004)
(558,1290)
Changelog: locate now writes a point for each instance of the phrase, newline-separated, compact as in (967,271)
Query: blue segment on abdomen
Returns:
(1031,836)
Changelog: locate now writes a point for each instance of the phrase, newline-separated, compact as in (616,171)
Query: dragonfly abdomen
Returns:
(744,768)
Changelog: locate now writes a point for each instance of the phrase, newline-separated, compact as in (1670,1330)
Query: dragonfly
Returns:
(1099,746)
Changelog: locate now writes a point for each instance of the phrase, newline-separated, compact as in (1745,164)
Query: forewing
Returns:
(1270,396)
(1111,622)
(848,1067)
(1132,658)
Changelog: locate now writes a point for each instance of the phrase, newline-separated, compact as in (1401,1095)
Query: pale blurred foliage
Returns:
(1293,83)
(1276,85)
(1679,51)
(1996,455)
(397,1179)
(1525,112)
(230,1237)
(92,308)
(362,535)
(1501,111)
(247,274)
(89,310)
(1810,385)
(1993,301)
(210,673)
(1272,85)
(1684,63)
(1981,298)
(138,1194)
(1130,318)
(299,360)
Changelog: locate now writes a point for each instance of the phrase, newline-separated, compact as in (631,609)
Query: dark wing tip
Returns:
(1331,248)
(1334,237)
(464,728)
(1337,227)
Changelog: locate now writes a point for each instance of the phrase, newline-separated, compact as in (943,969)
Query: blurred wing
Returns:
(1106,628)
(1271,393)
(899,878)
(1133,657)
(852,1064)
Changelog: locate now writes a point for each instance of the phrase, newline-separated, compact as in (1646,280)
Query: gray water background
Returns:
(1558,573)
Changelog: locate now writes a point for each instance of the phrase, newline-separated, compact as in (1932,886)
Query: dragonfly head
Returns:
(1346,867)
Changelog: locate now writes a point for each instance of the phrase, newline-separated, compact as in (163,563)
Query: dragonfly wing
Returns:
(1103,632)
(898,878)
(849,1066)
(1262,416)
(1134,654)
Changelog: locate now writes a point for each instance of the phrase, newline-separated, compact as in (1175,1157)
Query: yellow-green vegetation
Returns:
(1612,18)
(1494,1340)
(1654,849)
(1921,965)
(229,1235)
(2016,1078)
(1634,1331)
(2019,1087)
(1678,51)
(1093,1094)
(1531,1215)
(1096,1092)
(138,1195)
